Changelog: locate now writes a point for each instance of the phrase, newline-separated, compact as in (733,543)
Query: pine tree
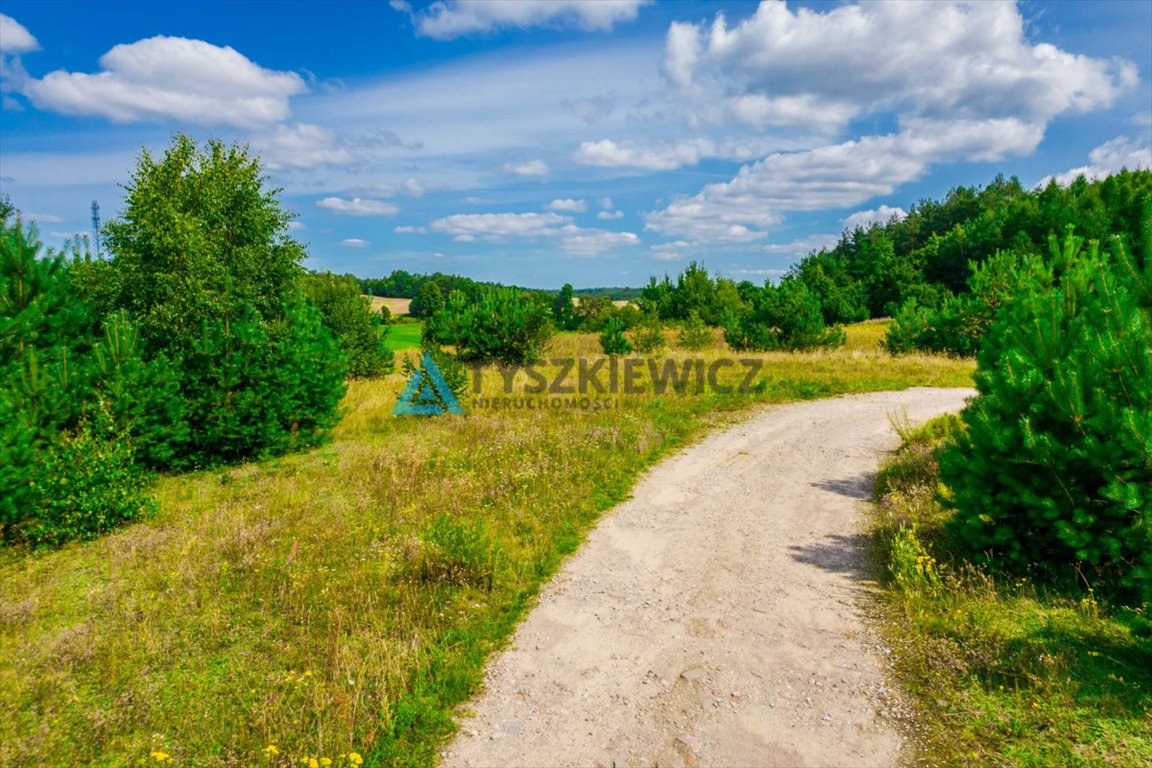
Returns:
(1054,471)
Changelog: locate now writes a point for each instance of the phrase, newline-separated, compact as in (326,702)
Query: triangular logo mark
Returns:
(427,394)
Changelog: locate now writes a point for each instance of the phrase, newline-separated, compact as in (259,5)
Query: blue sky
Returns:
(595,142)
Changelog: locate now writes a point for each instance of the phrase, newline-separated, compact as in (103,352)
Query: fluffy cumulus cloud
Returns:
(610,215)
(835,176)
(1107,159)
(14,38)
(865,219)
(354,242)
(407,229)
(171,78)
(502,227)
(797,249)
(528,168)
(301,145)
(447,19)
(14,41)
(965,60)
(358,207)
(567,204)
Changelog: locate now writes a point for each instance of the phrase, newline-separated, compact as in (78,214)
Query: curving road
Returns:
(716,617)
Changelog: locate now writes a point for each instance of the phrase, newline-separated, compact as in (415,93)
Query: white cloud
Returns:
(354,242)
(970,61)
(610,215)
(799,248)
(43,218)
(164,78)
(296,226)
(529,168)
(835,176)
(593,242)
(493,226)
(674,251)
(301,146)
(606,203)
(1107,159)
(358,207)
(865,219)
(15,38)
(567,204)
(446,19)
(410,230)
(500,227)
(608,153)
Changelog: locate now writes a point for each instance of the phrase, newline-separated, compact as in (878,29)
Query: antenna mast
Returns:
(96,229)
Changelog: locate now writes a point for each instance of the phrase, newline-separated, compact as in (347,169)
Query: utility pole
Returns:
(96,229)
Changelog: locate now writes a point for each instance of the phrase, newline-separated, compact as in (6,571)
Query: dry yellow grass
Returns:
(344,598)
(395,306)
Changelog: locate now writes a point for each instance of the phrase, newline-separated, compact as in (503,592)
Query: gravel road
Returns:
(717,617)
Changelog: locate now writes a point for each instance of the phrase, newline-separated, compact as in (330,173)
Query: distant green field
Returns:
(404,336)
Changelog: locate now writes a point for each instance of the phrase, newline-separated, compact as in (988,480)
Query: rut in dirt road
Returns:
(714,618)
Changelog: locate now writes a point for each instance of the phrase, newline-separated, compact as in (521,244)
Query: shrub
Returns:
(1054,472)
(787,316)
(648,337)
(359,331)
(504,325)
(88,484)
(694,335)
(612,339)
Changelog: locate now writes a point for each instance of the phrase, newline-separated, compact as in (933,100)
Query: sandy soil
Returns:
(718,617)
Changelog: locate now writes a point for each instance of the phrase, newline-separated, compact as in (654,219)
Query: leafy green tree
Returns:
(205,269)
(564,309)
(428,301)
(787,316)
(359,331)
(1053,474)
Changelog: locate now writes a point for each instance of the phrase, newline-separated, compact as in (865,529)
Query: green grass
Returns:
(403,336)
(1001,672)
(343,599)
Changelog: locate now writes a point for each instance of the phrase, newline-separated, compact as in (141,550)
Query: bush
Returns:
(612,339)
(359,331)
(694,336)
(648,336)
(956,324)
(787,316)
(1054,472)
(504,325)
(88,485)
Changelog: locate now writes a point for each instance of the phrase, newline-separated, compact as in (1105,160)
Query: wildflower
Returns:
(355,759)
(271,750)
(162,757)
(325,762)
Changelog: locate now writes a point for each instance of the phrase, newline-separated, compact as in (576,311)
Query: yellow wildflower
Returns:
(162,757)
(271,750)
(355,759)
(325,762)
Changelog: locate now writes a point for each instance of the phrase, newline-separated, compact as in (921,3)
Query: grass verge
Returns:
(344,600)
(403,335)
(1001,672)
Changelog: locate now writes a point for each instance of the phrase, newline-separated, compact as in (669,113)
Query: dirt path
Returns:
(713,619)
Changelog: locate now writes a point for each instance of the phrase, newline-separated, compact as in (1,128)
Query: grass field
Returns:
(999,672)
(344,599)
(403,336)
